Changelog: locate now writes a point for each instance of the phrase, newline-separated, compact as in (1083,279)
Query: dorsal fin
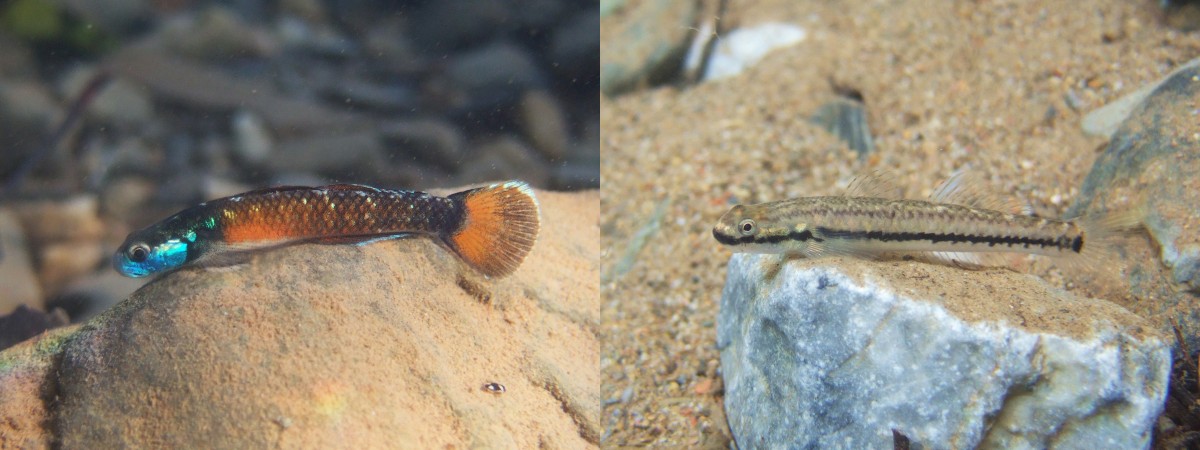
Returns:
(966,190)
(350,187)
(877,183)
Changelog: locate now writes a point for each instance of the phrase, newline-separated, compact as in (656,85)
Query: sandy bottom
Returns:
(995,87)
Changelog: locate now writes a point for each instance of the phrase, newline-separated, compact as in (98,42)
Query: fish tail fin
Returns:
(1100,233)
(499,227)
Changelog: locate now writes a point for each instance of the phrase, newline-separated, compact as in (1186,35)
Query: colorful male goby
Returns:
(491,228)
(959,224)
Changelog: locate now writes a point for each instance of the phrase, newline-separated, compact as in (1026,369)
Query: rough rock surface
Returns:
(838,353)
(382,345)
(1154,157)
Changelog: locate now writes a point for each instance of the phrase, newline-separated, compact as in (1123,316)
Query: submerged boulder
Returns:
(390,344)
(837,353)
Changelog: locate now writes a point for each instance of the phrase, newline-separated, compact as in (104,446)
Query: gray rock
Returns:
(575,46)
(113,16)
(336,153)
(1153,158)
(431,140)
(27,112)
(545,124)
(119,102)
(500,67)
(647,44)
(1105,120)
(837,353)
(16,268)
(505,158)
(847,119)
(252,141)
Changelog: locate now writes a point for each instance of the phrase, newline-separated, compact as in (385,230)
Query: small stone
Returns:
(125,197)
(216,33)
(743,47)
(16,268)
(331,154)
(48,221)
(545,124)
(498,69)
(506,158)
(871,347)
(431,140)
(252,141)
(847,119)
(575,48)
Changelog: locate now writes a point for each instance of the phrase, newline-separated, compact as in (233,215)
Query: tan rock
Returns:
(383,345)
(16,269)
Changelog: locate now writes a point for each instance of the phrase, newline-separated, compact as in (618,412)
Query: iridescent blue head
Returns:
(161,247)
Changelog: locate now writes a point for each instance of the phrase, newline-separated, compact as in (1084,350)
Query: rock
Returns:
(118,102)
(575,47)
(125,197)
(115,17)
(839,352)
(500,70)
(1105,120)
(50,221)
(16,59)
(216,33)
(63,261)
(329,154)
(431,140)
(25,322)
(450,24)
(545,124)
(1153,158)
(201,86)
(505,158)
(386,42)
(645,43)
(27,112)
(24,393)
(744,47)
(382,345)
(16,269)
(847,119)
(252,142)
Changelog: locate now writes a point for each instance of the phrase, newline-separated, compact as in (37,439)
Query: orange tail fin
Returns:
(499,228)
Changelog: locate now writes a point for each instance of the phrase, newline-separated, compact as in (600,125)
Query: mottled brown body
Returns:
(338,211)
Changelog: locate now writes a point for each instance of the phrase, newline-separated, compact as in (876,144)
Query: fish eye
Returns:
(747,227)
(138,253)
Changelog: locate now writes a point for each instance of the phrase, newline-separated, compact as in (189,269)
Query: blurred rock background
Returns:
(115,114)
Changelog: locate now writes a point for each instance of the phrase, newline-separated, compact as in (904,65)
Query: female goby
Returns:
(491,228)
(957,225)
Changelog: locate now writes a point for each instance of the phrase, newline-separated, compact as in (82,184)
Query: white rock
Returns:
(1105,120)
(837,353)
(252,140)
(743,47)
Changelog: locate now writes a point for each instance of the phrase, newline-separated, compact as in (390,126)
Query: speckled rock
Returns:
(838,353)
(644,43)
(1153,158)
(382,345)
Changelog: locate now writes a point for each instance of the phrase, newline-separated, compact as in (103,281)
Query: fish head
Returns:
(759,229)
(154,249)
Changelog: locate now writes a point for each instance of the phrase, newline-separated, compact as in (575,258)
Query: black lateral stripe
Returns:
(793,236)
(1061,243)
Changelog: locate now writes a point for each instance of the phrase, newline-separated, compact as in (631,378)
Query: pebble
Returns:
(575,47)
(744,47)
(847,119)
(252,141)
(545,124)
(505,158)
(16,268)
(431,140)
(49,221)
(354,152)
(215,33)
(61,262)
(499,69)
(125,197)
